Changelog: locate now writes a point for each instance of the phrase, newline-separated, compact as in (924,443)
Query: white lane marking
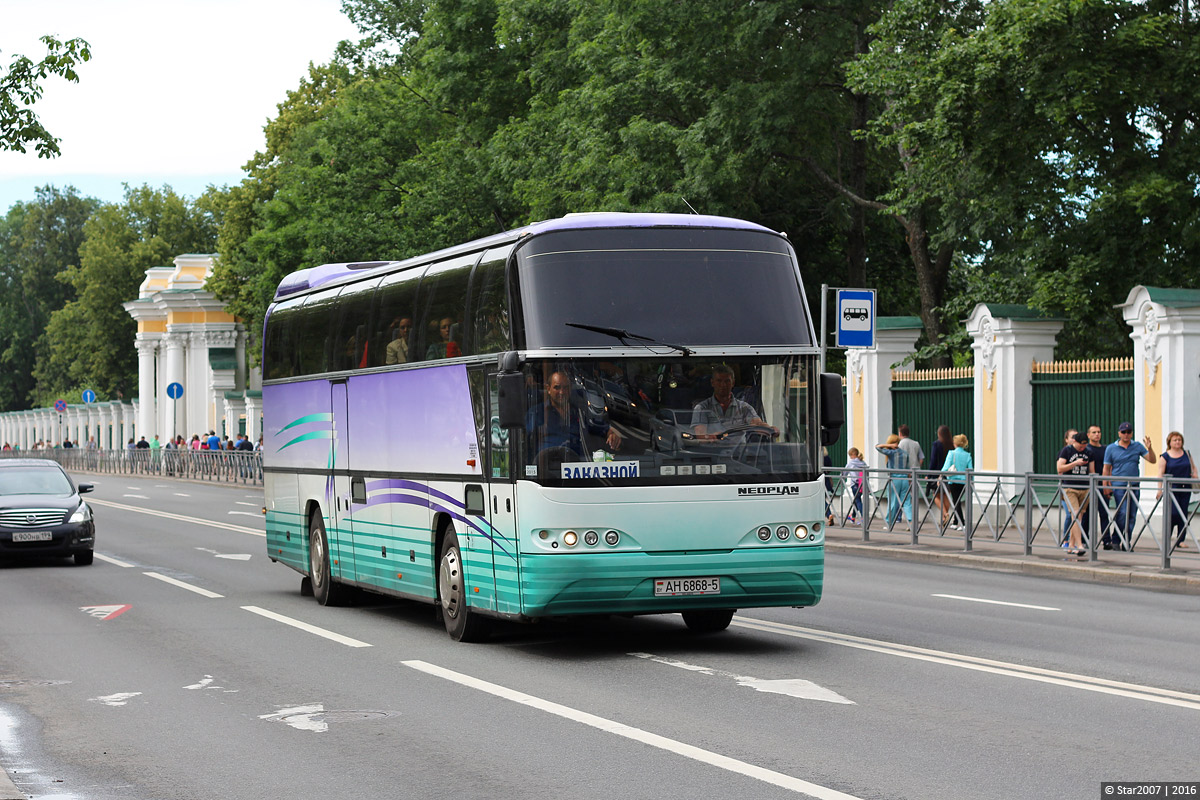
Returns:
(182,494)
(304,626)
(119,699)
(181,518)
(302,718)
(240,503)
(235,556)
(247,514)
(1072,680)
(207,683)
(114,561)
(995,602)
(182,585)
(105,612)
(636,734)
(135,496)
(793,687)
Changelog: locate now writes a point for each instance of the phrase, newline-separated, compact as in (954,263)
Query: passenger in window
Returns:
(722,412)
(493,336)
(447,347)
(397,349)
(560,423)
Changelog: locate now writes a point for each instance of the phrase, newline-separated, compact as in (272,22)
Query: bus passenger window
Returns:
(442,301)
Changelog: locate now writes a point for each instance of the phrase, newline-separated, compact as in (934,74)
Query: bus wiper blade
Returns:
(624,335)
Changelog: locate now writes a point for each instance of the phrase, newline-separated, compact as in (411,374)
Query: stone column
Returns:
(869,384)
(1165,329)
(174,412)
(1006,340)
(147,351)
(253,415)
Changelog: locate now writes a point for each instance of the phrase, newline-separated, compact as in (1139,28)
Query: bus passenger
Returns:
(447,347)
(397,349)
(560,424)
(723,409)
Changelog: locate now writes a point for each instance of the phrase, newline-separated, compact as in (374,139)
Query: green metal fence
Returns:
(925,399)
(1076,394)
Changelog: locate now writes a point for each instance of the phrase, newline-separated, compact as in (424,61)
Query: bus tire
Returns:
(461,623)
(712,620)
(323,588)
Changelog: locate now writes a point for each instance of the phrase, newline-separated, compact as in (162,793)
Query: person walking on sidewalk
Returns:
(1123,458)
(1074,460)
(958,462)
(1099,502)
(899,492)
(938,451)
(857,478)
(1177,463)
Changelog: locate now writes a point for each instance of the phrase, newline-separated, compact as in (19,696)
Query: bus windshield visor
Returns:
(643,421)
(682,286)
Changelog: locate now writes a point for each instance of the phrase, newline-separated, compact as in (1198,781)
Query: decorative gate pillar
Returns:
(1165,329)
(869,383)
(1007,339)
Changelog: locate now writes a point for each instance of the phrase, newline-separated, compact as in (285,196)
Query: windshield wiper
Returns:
(624,336)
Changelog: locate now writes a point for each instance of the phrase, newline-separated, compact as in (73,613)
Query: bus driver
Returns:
(723,411)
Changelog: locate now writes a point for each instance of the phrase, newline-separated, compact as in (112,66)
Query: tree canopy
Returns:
(21,85)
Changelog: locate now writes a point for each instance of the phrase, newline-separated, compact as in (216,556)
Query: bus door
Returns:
(501,505)
(340,531)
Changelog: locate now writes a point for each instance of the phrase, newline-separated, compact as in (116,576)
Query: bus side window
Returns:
(489,309)
(281,345)
(397,308)
(316,334)
(441,304)
(354,328)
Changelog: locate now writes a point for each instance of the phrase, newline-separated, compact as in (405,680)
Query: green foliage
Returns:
(91,337)
(38,241)
(21,87)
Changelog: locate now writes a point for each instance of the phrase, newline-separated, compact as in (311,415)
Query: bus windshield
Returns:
(668,421)
(683,286)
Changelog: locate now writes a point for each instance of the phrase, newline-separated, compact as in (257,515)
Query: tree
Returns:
(21,87)
(39,241)
(92,336)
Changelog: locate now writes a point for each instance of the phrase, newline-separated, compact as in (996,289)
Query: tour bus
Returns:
(604,414)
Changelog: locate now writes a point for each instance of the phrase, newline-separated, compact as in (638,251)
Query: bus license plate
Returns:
(32,536)
(673,587)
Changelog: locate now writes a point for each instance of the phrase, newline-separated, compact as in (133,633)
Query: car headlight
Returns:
(82,514)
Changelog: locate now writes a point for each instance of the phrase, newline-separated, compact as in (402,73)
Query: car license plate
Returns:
(32,536)
(673,587)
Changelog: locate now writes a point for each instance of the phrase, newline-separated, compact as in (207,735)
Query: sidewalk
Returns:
(1140,569)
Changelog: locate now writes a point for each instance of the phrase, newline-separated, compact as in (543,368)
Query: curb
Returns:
(9,791)
(1153,579)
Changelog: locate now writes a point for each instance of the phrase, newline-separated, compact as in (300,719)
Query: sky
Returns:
(177,91)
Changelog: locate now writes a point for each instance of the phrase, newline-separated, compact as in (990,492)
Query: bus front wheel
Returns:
(323,588)
(709,620)
(462,624)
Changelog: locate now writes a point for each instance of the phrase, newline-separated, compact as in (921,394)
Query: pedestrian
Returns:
(1123,459)
(1096,451)
(1075,461)
(1067,516)
(938,451)
(1177,463)
(958,462)
(899,491)
(857,477)
(214,441)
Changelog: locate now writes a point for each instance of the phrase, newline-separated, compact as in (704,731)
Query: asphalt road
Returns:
(183,664)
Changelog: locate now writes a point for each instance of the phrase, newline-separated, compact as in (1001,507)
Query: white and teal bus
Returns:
(594,415)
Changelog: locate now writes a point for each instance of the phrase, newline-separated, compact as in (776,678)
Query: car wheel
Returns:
(84,557)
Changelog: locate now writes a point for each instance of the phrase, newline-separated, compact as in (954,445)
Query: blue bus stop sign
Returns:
(855,317)
(89,396)
(175,390)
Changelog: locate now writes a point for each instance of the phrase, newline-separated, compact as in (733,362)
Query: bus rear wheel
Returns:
(323,588)
(709,620)
(461,622)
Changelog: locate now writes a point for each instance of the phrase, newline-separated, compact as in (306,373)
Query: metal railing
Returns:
(220,466)
(1026,509)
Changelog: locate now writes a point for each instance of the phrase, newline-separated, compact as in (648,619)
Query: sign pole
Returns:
(824,322)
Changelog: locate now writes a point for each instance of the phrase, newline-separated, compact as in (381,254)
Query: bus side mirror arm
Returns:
(833,412)
(511,391)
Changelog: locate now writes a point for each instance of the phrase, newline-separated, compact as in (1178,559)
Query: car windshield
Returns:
(34,480)
(655,420)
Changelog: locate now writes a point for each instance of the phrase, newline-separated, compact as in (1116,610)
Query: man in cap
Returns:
(1123,458)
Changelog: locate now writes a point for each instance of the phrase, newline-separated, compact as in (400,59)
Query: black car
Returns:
(41,513)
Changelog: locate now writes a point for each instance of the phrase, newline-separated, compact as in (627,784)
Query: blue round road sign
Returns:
(89,396)
(175,390)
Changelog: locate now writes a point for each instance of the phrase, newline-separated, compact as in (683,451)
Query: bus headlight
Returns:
(782,532)
(570,538)
(764,534)
(590,538)
(801,531)
(612,537)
